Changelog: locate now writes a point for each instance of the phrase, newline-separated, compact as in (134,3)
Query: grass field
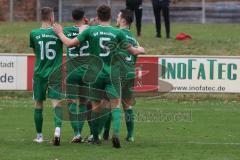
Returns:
(209,39)
(166,130)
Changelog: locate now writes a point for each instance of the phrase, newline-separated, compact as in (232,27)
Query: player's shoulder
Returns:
(83,28)
(43,30)
(124,30)
(94,27)
(120,31)
(128,33)
(67,28)
(35,31)
(90,29)
(117,29)
(70,28)
(49,31)
(114,28)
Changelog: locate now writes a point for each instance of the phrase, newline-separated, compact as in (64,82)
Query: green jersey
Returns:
(73,53)
(127,60)
(130,58)
(48,50)
(104,42)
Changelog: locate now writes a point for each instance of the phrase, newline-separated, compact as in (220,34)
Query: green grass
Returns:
(210,131)
(209,39)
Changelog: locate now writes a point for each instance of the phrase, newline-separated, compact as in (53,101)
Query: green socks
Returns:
(58,116)
(103,118)
(107,125)
(94,124)
(82,116)
(89,122)
(116,116)
(129,118)
(38,119)
(74,117)
(77,120)
(98,121)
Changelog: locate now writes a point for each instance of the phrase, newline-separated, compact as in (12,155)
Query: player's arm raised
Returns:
(68,42)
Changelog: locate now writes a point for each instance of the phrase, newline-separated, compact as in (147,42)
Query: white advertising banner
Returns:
(13,72)
(201,74)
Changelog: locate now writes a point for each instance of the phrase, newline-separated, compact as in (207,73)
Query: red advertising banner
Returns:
(146,74)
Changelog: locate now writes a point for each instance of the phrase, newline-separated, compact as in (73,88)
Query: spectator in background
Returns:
(158,7)
(136,6)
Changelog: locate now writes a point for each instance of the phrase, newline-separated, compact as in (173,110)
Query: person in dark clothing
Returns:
(158,7)
(136,6)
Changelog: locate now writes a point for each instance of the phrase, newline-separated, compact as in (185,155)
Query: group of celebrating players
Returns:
(99,75)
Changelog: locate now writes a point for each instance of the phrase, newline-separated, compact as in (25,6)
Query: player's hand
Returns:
(86,20)
(93,22)
(141,50)
(57,28)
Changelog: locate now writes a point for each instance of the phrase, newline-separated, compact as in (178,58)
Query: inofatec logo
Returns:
(201,69)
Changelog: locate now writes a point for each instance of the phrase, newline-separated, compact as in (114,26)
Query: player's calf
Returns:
(116,116)
(129,119)
(38,119)
(57,108)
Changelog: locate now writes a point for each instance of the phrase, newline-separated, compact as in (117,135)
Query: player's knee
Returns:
(126,103)
(56,103)
(106,104)
(125,107)
(39,104)
(96,106)
(115,103)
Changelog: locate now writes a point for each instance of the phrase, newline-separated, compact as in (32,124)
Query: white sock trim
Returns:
(130,108)
(39,135)
(57,132)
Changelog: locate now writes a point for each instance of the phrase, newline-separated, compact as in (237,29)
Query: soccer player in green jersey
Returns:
(48,50)
(75,73)
(104,41)
(124,21)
